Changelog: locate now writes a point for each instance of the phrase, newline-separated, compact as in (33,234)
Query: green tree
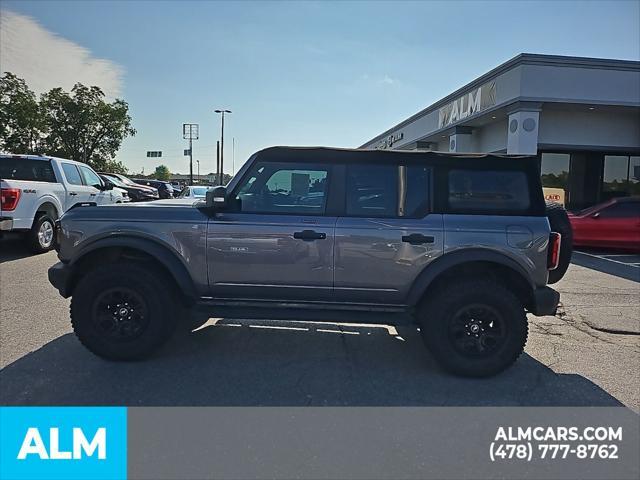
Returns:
(82,126)
(162,173)
(21,125)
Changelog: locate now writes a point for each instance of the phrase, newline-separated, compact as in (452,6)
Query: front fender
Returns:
(171,261)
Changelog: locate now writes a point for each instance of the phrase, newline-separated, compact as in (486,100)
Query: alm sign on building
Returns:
(475,101)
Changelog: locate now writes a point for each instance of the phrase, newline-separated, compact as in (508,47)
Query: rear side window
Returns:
(488,191)
(26,169)
(387,191)
(71,173)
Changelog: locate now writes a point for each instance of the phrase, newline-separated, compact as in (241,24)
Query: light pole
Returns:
(198,162)
(222,144)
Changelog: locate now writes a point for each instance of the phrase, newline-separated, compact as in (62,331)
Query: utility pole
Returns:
(222,111)
(190,131)
(198,162)
(233,156)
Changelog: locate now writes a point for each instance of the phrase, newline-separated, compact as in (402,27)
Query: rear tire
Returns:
(40,237)
(473,328)
(122,311)
(559,222)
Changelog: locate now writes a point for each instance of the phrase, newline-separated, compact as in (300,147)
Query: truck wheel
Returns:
(122,311)
(474,328)
(40,237)
(559,222)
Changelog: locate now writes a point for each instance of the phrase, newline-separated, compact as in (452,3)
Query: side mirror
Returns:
(217,197)
(107,186)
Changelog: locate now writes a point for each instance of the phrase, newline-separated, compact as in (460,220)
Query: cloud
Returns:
(387,80)
(384,80)
(45,60)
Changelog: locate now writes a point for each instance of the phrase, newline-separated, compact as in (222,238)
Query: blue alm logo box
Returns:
(63,443)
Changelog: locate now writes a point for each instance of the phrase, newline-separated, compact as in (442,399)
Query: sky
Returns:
(293,73)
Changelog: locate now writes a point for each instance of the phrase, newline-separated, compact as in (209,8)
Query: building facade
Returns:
(580,115)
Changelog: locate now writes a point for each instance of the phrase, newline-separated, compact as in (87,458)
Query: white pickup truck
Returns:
(36,190)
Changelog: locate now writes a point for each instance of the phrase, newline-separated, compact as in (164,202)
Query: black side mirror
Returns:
(107,186)
(217,197)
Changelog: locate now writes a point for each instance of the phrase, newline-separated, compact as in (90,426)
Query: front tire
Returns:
(474,328)
(122,311)
(40,237)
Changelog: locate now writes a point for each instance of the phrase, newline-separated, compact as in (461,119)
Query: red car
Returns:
(613,224)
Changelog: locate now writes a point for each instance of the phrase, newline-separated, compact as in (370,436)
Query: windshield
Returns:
(115,181)
(199,191)
(128,181)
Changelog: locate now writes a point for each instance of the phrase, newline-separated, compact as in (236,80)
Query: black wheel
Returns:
(40,237)
(122,311)
(473,328)
(559,221)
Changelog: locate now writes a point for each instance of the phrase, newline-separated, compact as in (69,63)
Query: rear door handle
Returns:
(309,235)
(417,239)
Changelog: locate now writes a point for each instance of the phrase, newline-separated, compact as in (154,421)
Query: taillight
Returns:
(553,255)
(9,198)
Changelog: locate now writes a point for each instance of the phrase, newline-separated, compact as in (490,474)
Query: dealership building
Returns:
(580,115)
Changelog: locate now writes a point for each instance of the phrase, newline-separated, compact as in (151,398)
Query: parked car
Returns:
(36,190)
(165,190)
(317,233)
(137,193)
(194,191)
(612,224)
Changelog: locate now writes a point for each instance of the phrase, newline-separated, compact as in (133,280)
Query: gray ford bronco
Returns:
(461,245)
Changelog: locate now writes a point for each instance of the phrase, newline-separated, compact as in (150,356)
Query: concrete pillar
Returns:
(522,131)
(460,140)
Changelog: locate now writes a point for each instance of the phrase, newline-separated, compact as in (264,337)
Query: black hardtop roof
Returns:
(329,154)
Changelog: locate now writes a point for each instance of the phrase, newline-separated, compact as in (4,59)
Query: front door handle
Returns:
(309,235)
(73,194)
(417,239)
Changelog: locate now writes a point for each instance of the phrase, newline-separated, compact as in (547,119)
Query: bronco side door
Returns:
(386,234)
(276,238)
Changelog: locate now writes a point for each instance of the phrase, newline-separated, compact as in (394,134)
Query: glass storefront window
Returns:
(634,175)
(616,171)
(554,173)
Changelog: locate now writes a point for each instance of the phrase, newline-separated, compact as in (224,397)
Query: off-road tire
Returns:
(559,222)
(33,239)
(151,287)
(440,309)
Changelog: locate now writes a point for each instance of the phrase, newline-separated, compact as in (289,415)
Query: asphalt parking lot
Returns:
(587,355)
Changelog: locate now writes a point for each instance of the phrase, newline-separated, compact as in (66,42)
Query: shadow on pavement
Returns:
(249,363)
(593,260)
(13,247)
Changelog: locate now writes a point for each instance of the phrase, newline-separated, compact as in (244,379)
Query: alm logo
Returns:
(33,444)
(63,443)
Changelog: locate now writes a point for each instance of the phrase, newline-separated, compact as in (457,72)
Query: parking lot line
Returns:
(606,257)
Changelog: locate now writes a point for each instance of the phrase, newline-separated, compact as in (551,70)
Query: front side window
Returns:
(284,188)
(72,174)
(90,177)
(622,210)
(488,191)
(387,191)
